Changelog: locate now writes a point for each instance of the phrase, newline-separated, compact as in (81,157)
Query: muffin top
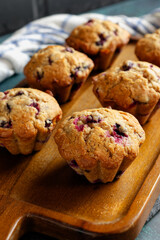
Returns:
(148,48)
(59,65)
(131,82)
(152,40)
(24,111)
(96,35)
(99,135)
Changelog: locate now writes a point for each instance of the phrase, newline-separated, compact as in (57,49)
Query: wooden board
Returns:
(40,192)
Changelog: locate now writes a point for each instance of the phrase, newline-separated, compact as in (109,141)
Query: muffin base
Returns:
(140,110)
(16,145)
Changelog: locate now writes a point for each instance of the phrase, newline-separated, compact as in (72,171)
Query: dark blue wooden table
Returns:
(151,230)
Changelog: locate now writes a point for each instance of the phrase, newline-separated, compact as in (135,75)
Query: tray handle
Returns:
(12,220)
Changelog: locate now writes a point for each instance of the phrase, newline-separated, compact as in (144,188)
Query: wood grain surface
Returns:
(40,192)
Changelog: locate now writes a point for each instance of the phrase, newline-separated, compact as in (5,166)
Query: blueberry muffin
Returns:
(59,69)
(99,40)
(148,48)
(133,86)
(27,118)
(99,143)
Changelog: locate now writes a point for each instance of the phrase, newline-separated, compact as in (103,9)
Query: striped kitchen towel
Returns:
(16,51)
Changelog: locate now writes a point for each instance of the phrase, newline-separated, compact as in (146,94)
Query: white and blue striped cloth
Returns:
(16,51)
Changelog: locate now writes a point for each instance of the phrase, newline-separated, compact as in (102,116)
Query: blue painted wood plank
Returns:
(11,82)
(151,230)
(130,8)
(4,37)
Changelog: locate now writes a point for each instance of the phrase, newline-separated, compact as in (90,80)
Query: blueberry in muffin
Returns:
(99,40)
(27,119)
(134,87)
(59,69)
(99,143)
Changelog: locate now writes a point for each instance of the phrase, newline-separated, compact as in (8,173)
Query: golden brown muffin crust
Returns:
(26,115)
(57,64)
(132,84)
(98,140)
(148,48)
(59,69)
(95,35)
(99,40)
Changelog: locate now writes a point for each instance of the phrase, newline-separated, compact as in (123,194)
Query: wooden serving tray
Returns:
(40,192)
